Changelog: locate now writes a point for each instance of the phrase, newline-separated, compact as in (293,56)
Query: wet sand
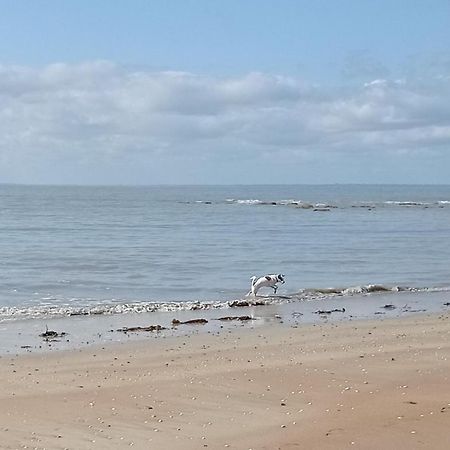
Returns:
(366,384)
(23,335)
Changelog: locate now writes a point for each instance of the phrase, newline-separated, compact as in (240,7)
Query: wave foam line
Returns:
(8,313)
(325,205)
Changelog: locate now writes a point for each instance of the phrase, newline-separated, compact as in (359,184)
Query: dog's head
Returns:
(280,278)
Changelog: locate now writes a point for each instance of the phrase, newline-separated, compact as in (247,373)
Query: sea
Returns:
(79,250)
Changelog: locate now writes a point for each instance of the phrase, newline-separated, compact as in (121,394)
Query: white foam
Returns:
(325,205)
(249,202)
(122,307)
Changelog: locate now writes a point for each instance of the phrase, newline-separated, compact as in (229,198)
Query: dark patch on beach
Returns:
(407,308)
(333,430)
(50,335)
(238,303)
(329,311)
(447,304)
(241,303)
(389,306)
(241,318)
(189,322)
(136,329)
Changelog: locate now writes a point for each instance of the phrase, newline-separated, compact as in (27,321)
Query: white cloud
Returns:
(99,112)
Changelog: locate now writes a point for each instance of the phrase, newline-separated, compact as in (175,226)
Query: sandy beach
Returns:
(366,384)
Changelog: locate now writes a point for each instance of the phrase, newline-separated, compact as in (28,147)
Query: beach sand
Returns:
(374,384)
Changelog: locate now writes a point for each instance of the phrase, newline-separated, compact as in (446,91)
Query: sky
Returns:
(224,92)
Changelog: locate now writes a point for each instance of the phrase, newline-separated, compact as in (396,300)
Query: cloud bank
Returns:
(98,115)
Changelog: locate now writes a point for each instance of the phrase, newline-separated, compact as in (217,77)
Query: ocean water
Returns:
(71,250)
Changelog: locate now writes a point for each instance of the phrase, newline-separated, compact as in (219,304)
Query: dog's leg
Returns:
(275,289)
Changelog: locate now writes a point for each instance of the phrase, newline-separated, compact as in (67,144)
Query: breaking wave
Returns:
(301,204)
(310,294)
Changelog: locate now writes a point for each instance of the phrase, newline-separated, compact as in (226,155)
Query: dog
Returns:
(266,281)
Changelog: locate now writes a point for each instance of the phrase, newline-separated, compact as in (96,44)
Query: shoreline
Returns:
(332,384)
(23,335)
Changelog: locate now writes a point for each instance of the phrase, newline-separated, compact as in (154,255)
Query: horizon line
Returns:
(215,184)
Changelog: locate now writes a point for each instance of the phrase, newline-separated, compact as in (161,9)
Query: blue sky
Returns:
(143,92)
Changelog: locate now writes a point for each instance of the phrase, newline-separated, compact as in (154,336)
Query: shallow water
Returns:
(99,249)
(23,336)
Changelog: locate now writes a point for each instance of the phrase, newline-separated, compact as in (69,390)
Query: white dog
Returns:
(266,281)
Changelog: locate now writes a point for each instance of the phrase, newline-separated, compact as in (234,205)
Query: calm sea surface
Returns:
(89,246)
